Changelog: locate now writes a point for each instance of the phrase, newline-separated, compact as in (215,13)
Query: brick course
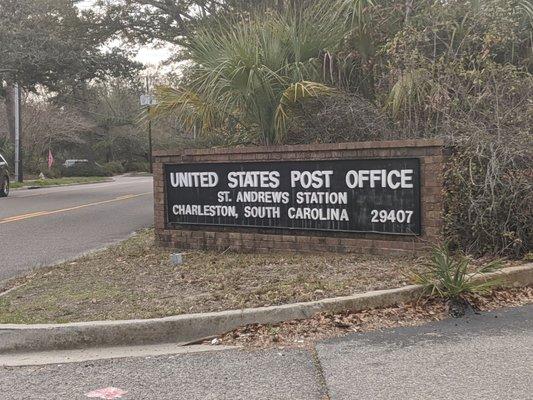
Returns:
(431,153)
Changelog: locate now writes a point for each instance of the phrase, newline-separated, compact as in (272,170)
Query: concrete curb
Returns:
(110,179)
(193,327)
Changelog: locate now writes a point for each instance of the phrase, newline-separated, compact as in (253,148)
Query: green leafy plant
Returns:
(255,71)
(89,169)
(114,167)
(454,278)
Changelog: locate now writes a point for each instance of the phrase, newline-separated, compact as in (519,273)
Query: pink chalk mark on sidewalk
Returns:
(108,393)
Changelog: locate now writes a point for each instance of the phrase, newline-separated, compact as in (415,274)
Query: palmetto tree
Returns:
(254,70)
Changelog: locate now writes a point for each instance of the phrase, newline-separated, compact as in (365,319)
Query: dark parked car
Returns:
(4,177)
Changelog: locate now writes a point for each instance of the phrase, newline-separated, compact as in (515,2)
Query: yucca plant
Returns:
(254,70)
(454,279)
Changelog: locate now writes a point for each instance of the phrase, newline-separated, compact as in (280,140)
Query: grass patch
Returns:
(59,181)
(135,279)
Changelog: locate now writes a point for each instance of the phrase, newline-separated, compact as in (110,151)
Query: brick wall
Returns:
(432,156)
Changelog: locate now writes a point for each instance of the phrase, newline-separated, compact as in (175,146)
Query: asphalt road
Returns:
(483,357)
(44,226)
(486,356)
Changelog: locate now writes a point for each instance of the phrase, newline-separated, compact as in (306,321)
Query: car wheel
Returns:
(4,187)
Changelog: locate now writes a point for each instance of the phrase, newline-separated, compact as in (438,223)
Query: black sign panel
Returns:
(377,195)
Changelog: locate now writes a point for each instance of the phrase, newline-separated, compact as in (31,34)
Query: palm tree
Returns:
(254,70)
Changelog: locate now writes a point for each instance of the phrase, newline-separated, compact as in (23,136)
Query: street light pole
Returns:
(149,104)
(150,141)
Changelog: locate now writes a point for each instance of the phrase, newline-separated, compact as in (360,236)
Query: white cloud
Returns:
(150,55)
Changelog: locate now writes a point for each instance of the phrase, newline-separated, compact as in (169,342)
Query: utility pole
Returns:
(19,176)
(149,128)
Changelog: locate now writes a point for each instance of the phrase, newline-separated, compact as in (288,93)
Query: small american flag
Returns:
(50,158)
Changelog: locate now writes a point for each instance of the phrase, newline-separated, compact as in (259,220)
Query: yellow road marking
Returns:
(24,216)
(43,213)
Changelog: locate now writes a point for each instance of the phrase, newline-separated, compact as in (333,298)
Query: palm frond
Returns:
(412,90)
(244,67)
(190,108)
(526,6)
(296,93)
(355,11)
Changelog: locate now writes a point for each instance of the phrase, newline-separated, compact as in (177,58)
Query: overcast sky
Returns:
(148,55)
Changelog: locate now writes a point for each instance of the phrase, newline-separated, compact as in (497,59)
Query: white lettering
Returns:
(390,183)
(262,212)
(205,211)
(308,179)
(322,198)
(318,214)
(407,178)
(193,179)
(252,179)
(392,179)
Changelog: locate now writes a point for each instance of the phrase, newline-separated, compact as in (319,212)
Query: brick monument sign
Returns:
(363,197)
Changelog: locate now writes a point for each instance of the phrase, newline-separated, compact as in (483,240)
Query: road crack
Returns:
(321,377)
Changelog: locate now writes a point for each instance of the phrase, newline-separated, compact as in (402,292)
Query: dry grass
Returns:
(136,280)
(305,333)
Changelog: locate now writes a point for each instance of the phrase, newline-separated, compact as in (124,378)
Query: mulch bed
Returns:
(304,333)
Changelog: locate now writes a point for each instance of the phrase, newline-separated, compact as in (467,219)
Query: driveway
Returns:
(44,226)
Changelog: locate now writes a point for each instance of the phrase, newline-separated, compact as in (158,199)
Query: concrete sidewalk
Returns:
(487,356)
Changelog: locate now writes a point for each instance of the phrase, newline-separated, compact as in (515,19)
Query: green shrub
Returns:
(87,169)
(114,167)
(53,173)
(488,208)
(340,117)
(137,166)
